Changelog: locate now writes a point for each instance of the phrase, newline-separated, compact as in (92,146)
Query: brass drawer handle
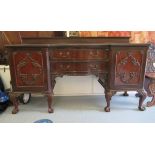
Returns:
(94,66)
(65,67)
(64,54)
(107,49)
(94,54)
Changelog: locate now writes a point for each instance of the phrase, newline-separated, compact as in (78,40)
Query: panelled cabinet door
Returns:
(28,70)
(128,67)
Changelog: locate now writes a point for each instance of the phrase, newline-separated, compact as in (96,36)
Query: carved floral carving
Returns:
(31,76)
(151,59)
(125,75)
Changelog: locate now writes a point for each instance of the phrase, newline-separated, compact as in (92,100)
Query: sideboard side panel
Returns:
(128,67)
(28,70)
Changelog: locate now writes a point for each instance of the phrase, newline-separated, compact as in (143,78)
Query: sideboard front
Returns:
(119,67)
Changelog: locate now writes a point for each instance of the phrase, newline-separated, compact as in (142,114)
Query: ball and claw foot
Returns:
(149,104)
(137,95)
(14,111)
(141,108)
(107,109)
(50,110)
(125,94)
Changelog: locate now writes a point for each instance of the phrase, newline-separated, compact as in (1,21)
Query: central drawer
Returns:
(78,54)
(65,67)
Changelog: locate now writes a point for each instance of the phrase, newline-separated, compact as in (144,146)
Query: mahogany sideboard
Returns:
(118,66)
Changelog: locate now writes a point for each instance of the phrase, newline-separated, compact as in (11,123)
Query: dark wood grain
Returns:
(71,40)
(118,66)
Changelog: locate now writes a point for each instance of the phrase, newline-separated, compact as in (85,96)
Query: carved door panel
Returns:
(128,67)
(28,70)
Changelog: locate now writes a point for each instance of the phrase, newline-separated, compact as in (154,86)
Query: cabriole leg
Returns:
(142,97)
(14,99)
(150,88)
(108,95)
(49,99)
(152,102)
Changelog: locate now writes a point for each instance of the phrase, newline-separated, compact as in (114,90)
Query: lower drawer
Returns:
(62,67)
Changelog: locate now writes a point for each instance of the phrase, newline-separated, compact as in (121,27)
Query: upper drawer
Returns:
(78,54)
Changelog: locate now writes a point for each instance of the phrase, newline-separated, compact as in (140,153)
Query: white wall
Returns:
(66,86)
(5,76)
